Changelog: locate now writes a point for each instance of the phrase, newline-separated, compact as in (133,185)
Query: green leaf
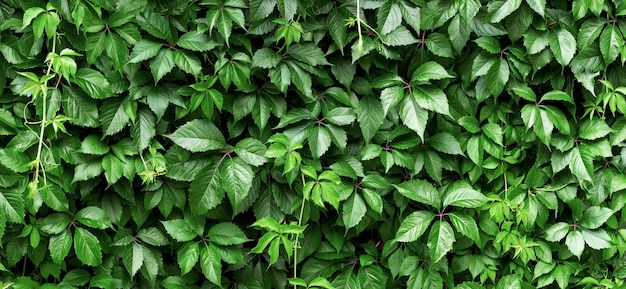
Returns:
(440,240)
(54,223)
(156,25)
(414,226)
(211,264)
(420,191)
(188,62)
(498,10)
(563,45)
(237,178)
(370,116)
(337,28)
(557,232)
(265,58)
(227,234)
(430,71)
(595,216)
(575,243)
(179,230)
(593,129)
(251,151)
(93,83)
(319,140)
(466,225)
(498,76)
(464,198)
(162,64)
(581,164)
(597,239)
(133,258)
(431,98)
(206,191)
(87,170)
(95,45)
(152,236)
(60,245)
(538,6)
(112,116)
(611,42)
(446,143)
(14,160)
(116,50)
(438,44)
(196,41)
(144,49)
(80,109)
(308,53)
(103,281)
(55,198)
(558,96)
(353,211)
(198,136)
(93,217)
(188,256)
(389,17)
(403,37)
(490,44)
(87,247)
(113,168)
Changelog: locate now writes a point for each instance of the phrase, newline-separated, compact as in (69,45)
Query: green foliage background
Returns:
(312,144)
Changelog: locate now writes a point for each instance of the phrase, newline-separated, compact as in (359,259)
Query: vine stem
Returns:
(295,245)
(44,113)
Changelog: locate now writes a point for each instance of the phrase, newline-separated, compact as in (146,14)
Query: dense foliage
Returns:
(312,144)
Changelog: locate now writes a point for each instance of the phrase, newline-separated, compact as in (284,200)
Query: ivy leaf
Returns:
(319,140)
(353,211)
(581,164)
(60,245)
(557,232)
(595,216)
(611,41)
(308,53)
(538,6)
(55,198)
(198,136)
(251,151)
(440,240)
(87,247)
(445,143)
(237,178)
(389,17)
(179,230)
(133,258)
(498,76)
(414,226)
(162,64)
(93,83)
(575,243)
(113,118)
(143,50)
(196,41)
(206,191)
(431,98)
(420,191)
(188,256)
(116,50)
(188,62)
(466,225)
(227,234)
(287,9)
(210,263)
(370,117)
(337,28)
(93,217)
(265,58)
(498,10)
(597,239)
(152,236)
(113,168)
(563,45)
(464,198)
(430,71)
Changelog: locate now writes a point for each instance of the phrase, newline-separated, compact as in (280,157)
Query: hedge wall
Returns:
(312,144)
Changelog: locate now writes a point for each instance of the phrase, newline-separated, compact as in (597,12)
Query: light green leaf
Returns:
(112,116)
(198,136)
(237,178)
(93,217)
(116,50)
(187,256)
(308,53)
(611,42)
(498,10)
(440,240)
(55,198)
(265,58)
(251,151)
(87,247)
(466,225)
(414,226)
(206,191)
(438,44)
(319,140)
(498,76)
(211,264)
(133,258)
(597,239)
(595,216)
(431,98)
(179,230)
(581,163)
(54,223)
(557,232)
(144,129)
(188,62)
(370,117)
(490,44)
(144,49)
(196,41)
(464,198)
(93,83)
(446,143)
(563,45)
(227,234)
(401,37)
(538,6)
(60,245)
(575,243)
(162,64)
(389,17)
(420,191)
(430,71)
(152,236)
(353,211)
(113,168)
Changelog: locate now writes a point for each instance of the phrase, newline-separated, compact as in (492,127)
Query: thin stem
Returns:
(295,245)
